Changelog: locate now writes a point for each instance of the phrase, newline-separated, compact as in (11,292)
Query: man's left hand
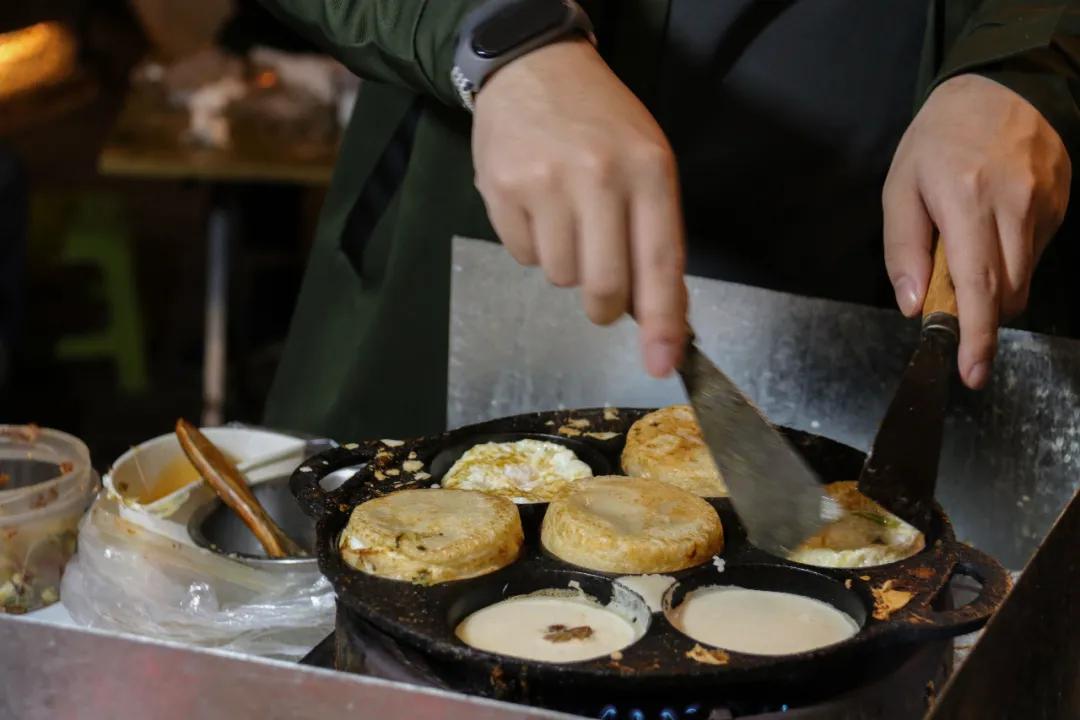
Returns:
(982,165)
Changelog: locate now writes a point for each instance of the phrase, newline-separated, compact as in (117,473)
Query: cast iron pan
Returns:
(425,617)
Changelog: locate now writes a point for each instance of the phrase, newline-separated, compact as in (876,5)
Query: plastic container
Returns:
(156,477)
(46,484)
(156,486)
(139,570)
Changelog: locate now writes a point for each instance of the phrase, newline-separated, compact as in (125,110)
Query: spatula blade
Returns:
(901,470)
(777,496)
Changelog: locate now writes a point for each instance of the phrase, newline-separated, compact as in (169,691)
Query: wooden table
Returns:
(148,142)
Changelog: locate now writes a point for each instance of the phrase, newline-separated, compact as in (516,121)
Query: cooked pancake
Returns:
(432,536)
(525,471)
(668,445)
(866,535)
(631,526)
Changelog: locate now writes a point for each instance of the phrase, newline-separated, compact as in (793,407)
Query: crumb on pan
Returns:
(888,600)
(708,656)
(602,435)
(611,413)
(411,466)
(569,431)
(392,443)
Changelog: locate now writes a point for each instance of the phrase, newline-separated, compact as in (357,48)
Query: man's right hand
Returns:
(578,178)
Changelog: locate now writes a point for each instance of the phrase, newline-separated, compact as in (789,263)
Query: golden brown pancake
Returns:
(866,535)
(432,536)
(668,445)
(631,526)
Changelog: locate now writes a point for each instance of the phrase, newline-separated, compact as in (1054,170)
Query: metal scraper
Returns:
(775,493)
(901,470)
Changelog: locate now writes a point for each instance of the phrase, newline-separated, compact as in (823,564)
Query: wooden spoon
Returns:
(234,491)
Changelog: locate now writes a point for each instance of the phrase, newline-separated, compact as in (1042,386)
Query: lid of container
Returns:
(40,470)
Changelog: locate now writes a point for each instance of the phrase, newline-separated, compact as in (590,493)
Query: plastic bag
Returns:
(130,579)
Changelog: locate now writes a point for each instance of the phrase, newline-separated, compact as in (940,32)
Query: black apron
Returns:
(785,117)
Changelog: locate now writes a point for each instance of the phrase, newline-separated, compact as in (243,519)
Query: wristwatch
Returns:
(500,31)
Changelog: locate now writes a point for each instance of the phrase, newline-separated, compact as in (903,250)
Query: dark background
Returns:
(53,143)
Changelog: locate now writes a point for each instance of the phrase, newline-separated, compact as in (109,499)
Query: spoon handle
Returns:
(234,491)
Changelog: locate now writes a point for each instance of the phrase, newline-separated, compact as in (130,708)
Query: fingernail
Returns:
(660,358)
(979,374)
(906,296)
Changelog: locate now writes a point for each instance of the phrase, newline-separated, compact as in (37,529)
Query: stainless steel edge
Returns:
(49,672)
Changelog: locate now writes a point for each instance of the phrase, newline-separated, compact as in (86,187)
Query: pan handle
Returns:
(306,480)
(995,581)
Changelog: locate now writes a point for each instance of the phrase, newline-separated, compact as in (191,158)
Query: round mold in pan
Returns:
(492,589)
(720,505)
(938,529)
(775,578)
(532,513)
(419,616)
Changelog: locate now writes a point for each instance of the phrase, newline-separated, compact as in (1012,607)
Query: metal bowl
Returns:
(217,528)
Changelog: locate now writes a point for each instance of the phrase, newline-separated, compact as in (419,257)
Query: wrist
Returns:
(550,63)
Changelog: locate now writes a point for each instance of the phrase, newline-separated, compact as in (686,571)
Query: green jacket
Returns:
(366,355)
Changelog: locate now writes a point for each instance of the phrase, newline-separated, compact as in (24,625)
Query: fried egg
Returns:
(867,534)
(668,445)
(432,535)
(631,526)
(526,471)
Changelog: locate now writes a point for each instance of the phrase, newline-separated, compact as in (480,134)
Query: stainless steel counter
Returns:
(1011,458)
(49,672)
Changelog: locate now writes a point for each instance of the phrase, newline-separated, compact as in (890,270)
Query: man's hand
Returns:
(984,167)
(578,178)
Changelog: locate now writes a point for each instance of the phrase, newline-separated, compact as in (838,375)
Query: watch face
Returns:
(517,24)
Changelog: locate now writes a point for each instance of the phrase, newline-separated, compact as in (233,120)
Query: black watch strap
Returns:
(500,31)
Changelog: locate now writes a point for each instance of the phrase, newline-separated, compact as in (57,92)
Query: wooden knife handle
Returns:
(941,295)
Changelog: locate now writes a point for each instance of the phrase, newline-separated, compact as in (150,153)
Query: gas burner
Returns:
(903,691)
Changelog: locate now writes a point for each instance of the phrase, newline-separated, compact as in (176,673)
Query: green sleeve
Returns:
(409,43)
(1031,47)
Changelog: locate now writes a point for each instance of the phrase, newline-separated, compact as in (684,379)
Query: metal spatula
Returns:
(901,469)
(777,496)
